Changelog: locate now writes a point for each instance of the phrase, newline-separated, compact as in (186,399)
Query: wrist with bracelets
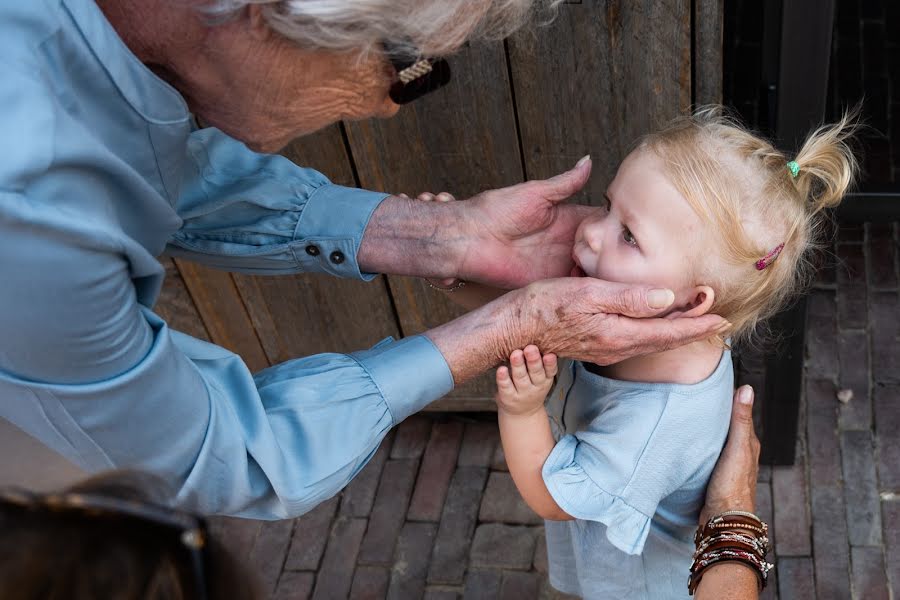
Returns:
(732,536)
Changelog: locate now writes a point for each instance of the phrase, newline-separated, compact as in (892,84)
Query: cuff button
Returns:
(337,257)
(312,250)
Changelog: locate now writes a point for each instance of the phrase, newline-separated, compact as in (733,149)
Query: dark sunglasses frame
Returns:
(189,531)
(416,76)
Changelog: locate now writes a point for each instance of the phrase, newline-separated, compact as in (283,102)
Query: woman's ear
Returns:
(701,302)
(259,26)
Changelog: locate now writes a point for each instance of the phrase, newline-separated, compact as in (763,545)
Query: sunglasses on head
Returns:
(416,76)
(184,530)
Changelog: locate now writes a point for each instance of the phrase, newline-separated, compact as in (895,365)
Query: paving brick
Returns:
(548,592)
(482,585)
(388,511)
(370,583)
(822,435)
(238,535)
(789,499)
(503,546)
(357,498)
(411,437)
(851,278)
(451,547)
(861,489)
(440,594)
(269,551)
(333,580)
(294,586)
(310,535)
(821,334)
(882,256)
(885,327)
(764,510)
(520,585)
(795,578)
(869,580)
(411,560)
(890,511)
(854,357)
(830,547)
(498,463)
(539,562)
(887,424)
(502,503)
(479,442)
(435,473)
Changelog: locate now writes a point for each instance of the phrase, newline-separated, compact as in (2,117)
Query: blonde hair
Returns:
(741,186)
(433,27)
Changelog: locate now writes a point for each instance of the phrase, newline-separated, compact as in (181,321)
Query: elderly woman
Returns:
(103,169)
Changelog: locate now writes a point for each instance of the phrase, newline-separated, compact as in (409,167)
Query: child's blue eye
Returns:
(629,239)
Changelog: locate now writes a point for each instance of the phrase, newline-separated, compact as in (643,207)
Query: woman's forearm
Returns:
(527,442)
(410,237)
(734,581)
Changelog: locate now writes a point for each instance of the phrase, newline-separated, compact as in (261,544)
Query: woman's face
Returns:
(646,232)
(278,91)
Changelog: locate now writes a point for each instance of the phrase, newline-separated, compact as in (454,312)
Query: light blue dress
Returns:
(631,464)
(100,172)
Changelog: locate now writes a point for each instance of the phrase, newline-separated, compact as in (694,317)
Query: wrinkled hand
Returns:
(733,483)
(599,321)
(524,233)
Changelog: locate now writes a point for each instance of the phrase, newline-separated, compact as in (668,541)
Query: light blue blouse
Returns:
(631,464)
(100,172)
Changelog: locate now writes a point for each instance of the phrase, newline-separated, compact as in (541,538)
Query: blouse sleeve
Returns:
(588,473)
(262,214)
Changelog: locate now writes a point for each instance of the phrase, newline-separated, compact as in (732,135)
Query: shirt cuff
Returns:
(330,230)
(410,373)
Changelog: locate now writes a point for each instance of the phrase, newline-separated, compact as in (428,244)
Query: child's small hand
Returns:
(523,386)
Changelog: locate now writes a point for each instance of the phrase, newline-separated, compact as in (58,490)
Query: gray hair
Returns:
(433,27)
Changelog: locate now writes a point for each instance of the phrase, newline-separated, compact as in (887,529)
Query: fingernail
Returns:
(660,298)
(745,394)
(583,160)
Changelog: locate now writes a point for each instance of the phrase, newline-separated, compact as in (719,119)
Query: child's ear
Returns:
(700,303)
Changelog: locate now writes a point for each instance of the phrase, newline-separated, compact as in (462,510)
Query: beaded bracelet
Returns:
(459,283)
(733,536)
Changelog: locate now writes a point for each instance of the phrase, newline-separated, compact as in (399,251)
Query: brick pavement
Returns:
(435,515)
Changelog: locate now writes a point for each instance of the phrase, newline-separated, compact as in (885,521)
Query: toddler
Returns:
(617,457)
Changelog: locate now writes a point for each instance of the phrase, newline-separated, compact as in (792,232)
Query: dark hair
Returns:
(52,554)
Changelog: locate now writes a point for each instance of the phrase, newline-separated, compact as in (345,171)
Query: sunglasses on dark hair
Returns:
(416,76)
(187,531)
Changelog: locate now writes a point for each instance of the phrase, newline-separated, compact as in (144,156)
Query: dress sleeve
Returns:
(589,472)
(262,214)
(101,379)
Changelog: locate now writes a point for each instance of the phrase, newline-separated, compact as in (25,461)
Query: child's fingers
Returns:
(445,197)
(550,365)
(425,197)
(504,383)
(535,366)
(404,196)
(519,370)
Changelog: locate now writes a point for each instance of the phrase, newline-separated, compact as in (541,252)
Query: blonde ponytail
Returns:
(827,166)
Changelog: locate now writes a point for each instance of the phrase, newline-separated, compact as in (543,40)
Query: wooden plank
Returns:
(595,80)
(223,312)
(299,315)
(709,19)
(461,140)
(176,306)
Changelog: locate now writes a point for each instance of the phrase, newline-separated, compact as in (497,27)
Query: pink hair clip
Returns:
(769,258)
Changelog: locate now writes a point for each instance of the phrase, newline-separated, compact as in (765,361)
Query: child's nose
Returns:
(594,238)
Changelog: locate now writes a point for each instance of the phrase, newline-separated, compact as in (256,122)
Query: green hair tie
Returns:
(794,168)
